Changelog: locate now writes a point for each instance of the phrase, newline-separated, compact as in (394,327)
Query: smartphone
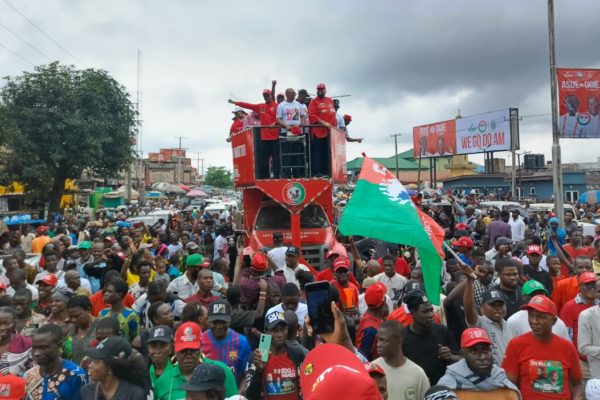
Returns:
(264,346)
(318,300)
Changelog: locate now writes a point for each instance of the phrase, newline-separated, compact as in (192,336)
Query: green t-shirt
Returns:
(167,386)
(154,378)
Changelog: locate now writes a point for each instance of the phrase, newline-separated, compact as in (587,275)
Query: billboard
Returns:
(579,103)
(492,131)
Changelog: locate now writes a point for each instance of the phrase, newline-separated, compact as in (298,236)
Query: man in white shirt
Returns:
(185,285)
(391,279)
(221,245)
(292,266)
(290,300)
(517,226)
(291,115)
(277,253)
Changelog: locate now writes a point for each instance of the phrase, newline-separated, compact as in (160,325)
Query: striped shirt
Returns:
(234,350)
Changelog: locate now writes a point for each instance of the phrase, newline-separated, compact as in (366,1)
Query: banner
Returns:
(579,104)
(493,131)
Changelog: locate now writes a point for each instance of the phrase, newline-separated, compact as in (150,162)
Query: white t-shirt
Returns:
(34,292)
(518,324)
(340,121)
(290,274)
(290,112)
(301,311)
(395,284)
(221,243)
(277,254)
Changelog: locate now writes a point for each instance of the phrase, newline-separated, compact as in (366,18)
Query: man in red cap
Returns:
(348,292)
(378,375)
(476,376)
(568,288)
(371,321)
(541,364)
(464,247)
(268,144)
(574,307)
(534,270)
(45,287)
(331,371)
(327,274)
(41,240)
(255,283)
(321,112)
(238,121)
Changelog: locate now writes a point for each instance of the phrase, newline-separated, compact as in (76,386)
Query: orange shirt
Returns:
(98,304)
(37,244)
(565,290)
(348,295)
(321,110)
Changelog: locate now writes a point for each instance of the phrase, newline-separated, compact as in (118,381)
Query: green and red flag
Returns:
(381,208)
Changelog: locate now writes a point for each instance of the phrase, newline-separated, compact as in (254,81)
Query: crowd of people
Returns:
(105,309)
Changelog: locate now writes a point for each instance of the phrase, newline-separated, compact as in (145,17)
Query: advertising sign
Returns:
(337,156)
(493,131)
(579,102)
(243,158)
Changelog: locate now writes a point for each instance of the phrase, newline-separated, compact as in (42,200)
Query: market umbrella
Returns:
(155,195)
(591,197)
(172,189)
(185,187)
(160,185)
(196,193)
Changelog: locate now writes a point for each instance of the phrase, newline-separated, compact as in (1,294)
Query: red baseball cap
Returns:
(266,91)
(327,371)
(473,336)
(373,368)
(542,304)
(12,387)
(347,118)
(587,277)
(321,86)
(331,253)
(110,239)
(341,262)
(49,279)
(375,295)
(259,262)
(188,336)
(534,249)
(463,242)
(41,229)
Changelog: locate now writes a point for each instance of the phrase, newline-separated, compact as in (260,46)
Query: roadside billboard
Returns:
(579,103)
(492,131)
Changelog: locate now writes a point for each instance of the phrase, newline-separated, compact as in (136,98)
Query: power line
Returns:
(17,55)
(43,33)
(24,41)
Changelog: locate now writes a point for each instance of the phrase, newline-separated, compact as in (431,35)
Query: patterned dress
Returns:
(64,385)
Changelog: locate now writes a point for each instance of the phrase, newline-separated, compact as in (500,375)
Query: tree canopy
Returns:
(57,122)
(218,177)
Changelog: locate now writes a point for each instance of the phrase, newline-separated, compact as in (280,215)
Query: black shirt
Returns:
(541,276)
(514,300)
(423,350)
(125,391)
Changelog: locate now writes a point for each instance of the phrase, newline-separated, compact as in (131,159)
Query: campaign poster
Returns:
(579,103)
(435,140)
(484,132)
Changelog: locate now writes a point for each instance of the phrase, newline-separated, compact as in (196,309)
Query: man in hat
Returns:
(277,253)
(278,376)
(546,354)
(327,273)
(321,111)
(405,379)
(45,287)
(568,288)
(238,121)
(372,320)
(292,265)
(188,338)
(186,285)
(426,343)
(348,292)
(501,249)
(160,347)
(250,283)
(517,226)
(464,248)
(222,343)
(518,323)
(268,142)
(476,375)
(207,382)
(41,240)
(533,270)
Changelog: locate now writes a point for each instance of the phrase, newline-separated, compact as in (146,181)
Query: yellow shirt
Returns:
(135,278)
(497,394)
(596,266)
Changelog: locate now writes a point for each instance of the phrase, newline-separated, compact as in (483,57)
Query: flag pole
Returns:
(453,253)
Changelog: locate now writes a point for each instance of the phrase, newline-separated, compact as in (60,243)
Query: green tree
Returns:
(218,177)
(57,122)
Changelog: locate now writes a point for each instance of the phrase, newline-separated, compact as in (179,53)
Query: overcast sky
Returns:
(404,63)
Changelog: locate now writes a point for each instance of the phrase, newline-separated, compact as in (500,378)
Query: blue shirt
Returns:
(233,350)
(562,235)
(64,385)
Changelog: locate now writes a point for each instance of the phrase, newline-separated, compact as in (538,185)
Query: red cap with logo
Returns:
(12,387)
(463,242)
(341,262)
(375,295)
(259,262)
(534,249)
(188,336)
(49,279)
(375,369)
(473,336)
(541,304)
(321,86)
(327,370)
(587,277)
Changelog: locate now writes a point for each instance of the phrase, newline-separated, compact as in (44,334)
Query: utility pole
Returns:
(179,174)
(556,158)
(395,136)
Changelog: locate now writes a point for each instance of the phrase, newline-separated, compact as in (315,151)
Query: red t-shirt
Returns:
(402,315)
(401,267)
(268,116)
(348,295)
(327,275)
(98,304)
(280,378)
(369,347)
(321,110)
(544,369)
(566,290)
(570,316)
(574,253)
(205,301)
(237,126)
